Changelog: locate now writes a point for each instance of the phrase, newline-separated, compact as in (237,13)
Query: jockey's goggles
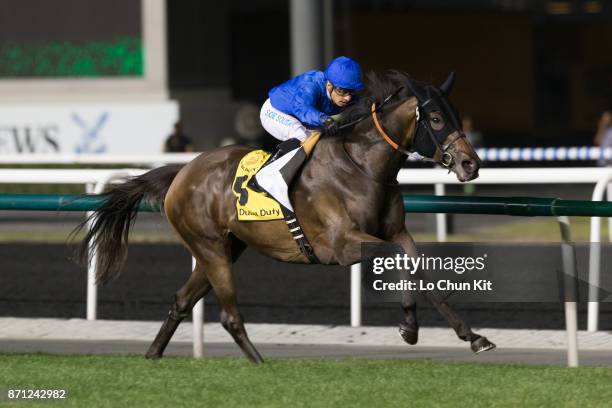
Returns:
(344,91)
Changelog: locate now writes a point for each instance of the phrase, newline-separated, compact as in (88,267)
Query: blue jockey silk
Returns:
(305,98)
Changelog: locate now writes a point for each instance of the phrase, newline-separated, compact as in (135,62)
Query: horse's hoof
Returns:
(409,334)
(482,344)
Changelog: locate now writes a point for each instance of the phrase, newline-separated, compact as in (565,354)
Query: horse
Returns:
(345,194)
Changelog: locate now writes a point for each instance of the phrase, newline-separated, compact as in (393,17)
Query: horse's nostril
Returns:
(468,165)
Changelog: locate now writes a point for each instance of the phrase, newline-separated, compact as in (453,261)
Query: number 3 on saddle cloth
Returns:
(261,186)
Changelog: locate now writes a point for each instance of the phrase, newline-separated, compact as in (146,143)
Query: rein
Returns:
(384,134)
(358,120)
(384,102)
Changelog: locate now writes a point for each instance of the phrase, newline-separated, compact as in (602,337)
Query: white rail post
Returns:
(356,295)
(594,263)
(92,290)
(440,217)
(198,324)
(569,291)
(595,257)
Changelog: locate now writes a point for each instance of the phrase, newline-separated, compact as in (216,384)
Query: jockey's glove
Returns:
(331,126)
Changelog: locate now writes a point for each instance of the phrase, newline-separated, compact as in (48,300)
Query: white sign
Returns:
(113,128)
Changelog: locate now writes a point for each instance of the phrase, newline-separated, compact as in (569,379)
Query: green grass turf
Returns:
(132,381)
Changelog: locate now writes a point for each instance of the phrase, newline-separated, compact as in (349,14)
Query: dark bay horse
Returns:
(343,196)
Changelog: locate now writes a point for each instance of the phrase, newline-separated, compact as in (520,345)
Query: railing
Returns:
(518,206)
(95,180)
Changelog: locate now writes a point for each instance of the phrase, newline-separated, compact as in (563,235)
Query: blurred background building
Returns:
(529,72)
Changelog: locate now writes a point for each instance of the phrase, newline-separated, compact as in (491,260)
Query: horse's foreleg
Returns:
(409,327)
(351,253)
(196,287)
(478,343)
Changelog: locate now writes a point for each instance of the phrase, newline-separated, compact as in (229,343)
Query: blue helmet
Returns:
(344,72)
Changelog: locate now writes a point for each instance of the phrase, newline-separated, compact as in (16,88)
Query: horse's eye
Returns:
(437,123)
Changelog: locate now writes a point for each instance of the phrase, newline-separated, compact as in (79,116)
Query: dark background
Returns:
(529,72)
(68,20)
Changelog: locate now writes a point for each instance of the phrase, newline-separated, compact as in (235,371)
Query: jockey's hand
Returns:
(331,126)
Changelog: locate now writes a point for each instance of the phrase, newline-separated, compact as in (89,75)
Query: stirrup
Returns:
(282,149)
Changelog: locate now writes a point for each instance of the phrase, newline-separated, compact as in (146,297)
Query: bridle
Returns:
(427,141)
(438,137)
(425,146)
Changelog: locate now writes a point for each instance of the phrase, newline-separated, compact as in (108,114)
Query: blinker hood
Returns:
(431,99)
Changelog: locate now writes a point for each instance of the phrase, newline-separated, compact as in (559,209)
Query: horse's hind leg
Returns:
(216,257)
(223,282)
(196,288)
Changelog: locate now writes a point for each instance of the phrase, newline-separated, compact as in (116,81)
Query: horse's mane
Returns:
(378,87)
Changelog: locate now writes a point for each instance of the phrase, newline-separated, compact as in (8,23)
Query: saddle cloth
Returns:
(252,205)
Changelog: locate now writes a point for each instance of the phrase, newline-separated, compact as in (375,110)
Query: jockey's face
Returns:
(340,97)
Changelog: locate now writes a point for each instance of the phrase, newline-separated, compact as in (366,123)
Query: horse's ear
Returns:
(447,86)
(415,89)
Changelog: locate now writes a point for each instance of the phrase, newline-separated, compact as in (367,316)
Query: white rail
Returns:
(491,154)
(62,176)
(131,159)
(545,175)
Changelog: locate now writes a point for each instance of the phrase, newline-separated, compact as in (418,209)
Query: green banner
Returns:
(120,57)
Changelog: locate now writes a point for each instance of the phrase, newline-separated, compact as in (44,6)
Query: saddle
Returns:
(255,203)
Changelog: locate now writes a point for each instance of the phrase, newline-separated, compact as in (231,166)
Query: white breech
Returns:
(280,125)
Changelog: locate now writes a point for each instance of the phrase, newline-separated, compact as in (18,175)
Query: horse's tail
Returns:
(111,223)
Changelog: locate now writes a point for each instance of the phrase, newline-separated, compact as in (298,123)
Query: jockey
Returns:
(296,112)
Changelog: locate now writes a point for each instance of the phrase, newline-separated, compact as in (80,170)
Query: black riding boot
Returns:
(280,150)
